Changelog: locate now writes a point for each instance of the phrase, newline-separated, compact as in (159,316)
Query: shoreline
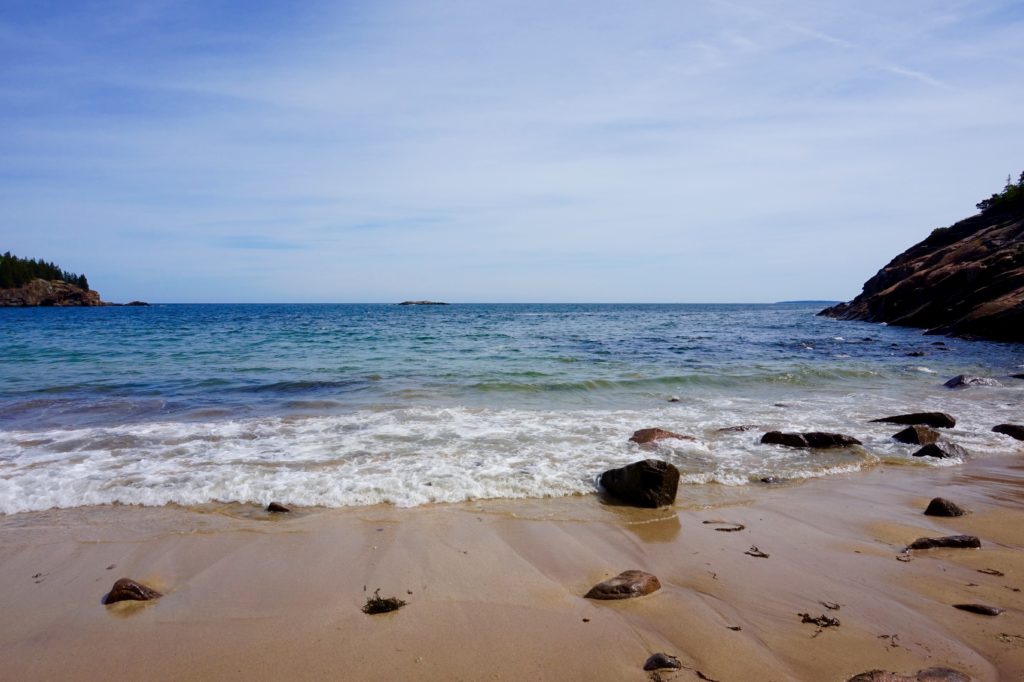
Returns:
(494,588)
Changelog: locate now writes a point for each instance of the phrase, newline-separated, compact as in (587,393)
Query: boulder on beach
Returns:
(650,435)
(949,542)
(127,589)
(917,435)
(926,675)
(942,450)
(938,420)
(625,585)
(965,380)
(940,506)
(980,609)
(1011,430)
(662,661)
(647,483)
(277,508)
(811,439)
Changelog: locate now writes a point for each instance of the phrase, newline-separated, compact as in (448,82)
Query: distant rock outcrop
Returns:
(963,280)
(422,303)
(41,292)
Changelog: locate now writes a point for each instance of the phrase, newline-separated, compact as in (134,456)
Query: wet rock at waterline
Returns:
(813,439)
(917,435)
(277,508)
(1011,430)
(648,483)
(650,435)
(940,506)
(942,450)
(948,541)
(127,589)
(939,420)
(966,380)
(626,585)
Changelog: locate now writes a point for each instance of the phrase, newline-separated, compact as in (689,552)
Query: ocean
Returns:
(347,405)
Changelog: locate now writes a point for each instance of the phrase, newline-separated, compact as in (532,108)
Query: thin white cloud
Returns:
(546,154)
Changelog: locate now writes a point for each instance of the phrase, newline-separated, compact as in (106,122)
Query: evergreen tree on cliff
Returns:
(16,272)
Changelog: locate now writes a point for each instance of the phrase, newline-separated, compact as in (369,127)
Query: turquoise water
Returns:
(360,404)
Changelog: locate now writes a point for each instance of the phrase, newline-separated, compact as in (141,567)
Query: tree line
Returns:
(16,272)
(1012,195)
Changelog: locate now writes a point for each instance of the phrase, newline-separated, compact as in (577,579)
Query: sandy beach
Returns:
(494,588)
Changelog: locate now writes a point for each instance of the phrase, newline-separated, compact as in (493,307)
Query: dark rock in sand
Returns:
(942,450)
(939,420)
(940,506)
(662,662)
(127,589)
(965,380)
(647,483)
(926,675)
(650,435)
(980,609)
(277,508)
(625,585)
(1011,430)
(949,541)
(917,435)
(812,439)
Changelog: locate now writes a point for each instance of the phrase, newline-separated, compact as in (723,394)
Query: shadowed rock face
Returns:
(963,280)
(41,292)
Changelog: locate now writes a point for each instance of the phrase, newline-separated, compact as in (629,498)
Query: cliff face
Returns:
(963,280)
(41,292)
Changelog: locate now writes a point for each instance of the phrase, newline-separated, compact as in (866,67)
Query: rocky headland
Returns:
(963,280)
(41,292)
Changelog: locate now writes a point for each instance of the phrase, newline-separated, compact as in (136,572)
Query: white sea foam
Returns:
(420,455)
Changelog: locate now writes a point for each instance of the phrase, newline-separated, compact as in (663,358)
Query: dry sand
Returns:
(494,588)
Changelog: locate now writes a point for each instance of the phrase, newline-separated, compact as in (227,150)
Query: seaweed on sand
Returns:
(378,604)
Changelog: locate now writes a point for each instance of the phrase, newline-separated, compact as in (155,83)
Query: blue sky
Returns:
(698,151)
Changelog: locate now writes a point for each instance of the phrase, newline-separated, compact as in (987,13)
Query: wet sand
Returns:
(494,588)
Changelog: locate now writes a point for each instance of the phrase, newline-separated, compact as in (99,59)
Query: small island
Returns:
(422,303)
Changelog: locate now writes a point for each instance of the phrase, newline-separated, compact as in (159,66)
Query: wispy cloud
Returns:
(525,152)
(915,75)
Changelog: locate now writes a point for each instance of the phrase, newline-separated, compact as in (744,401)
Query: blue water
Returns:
(192,403)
